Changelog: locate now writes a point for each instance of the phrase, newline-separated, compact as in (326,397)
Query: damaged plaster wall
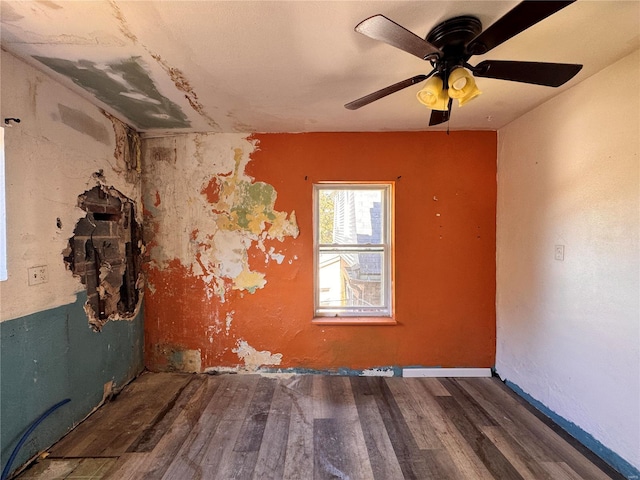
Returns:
(205,219)
(51,158)
(48,352)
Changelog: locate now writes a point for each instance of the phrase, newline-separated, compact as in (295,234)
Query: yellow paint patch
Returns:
(248,280)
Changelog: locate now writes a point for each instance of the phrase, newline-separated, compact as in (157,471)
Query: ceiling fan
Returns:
(448,47)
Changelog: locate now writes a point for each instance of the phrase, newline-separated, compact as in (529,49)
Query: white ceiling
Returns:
(290,66)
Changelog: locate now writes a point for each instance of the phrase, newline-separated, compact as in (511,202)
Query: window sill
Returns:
(354,321)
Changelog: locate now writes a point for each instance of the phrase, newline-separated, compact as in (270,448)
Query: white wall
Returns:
(50,159)
(568,332)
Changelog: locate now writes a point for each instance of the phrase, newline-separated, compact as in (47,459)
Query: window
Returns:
(352,250)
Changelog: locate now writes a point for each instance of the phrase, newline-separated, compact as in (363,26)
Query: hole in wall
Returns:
(105,252)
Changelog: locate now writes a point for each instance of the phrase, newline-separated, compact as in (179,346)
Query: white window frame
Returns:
(385,247)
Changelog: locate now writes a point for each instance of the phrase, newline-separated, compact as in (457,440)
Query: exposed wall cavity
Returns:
(106,253)
(125,85)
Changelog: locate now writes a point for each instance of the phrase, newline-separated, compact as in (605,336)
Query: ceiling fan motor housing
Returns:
(452,37)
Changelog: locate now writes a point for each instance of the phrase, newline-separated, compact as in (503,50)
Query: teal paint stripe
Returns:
(606,454)
(52,355)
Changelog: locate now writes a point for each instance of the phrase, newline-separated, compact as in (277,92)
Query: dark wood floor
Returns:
(179,426)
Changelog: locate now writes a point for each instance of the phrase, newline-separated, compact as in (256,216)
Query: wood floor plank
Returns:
(321,407)
(187,462)
(344,409)
(299,459)
(384,463)
(138,409)
(250,436)
(410,457)
(51,469)
(528,430)
(241,462)
(422,431)
(271,458)
(329,449)
(561,471)
(469,465)
(492,458)
(154,434)
(522,426)
(472,409)
(219,460)
(153,465)
(522,461)
(128,466)
(434,387)
(440,464)
(91,468)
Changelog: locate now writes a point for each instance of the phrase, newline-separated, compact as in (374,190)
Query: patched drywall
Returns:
(125,85)
(228,227)
(568,329)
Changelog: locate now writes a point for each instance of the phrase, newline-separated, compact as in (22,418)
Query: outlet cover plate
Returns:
(38,275)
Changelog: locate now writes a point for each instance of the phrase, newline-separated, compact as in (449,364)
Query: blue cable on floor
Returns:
(14,453)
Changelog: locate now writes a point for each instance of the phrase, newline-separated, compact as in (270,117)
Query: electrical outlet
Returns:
(559,252)
(38,275)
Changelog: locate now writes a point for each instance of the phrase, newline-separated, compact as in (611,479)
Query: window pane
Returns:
(325,215)
(351,280)
(351,216)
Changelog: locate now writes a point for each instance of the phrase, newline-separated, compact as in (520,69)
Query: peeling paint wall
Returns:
(228,225)
(205,218)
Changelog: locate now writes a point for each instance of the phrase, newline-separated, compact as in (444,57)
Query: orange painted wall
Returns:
(445,210)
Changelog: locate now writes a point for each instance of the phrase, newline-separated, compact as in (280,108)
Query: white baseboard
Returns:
(446,372)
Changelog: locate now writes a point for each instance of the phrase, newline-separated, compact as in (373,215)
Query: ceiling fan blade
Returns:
(381,28)
(539,73)
(440,116)
(372,97)
(517,20)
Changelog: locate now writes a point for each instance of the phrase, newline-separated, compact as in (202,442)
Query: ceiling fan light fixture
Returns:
(462,86)
(433,95)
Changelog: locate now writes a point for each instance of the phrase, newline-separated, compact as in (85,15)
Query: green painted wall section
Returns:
(52,355)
